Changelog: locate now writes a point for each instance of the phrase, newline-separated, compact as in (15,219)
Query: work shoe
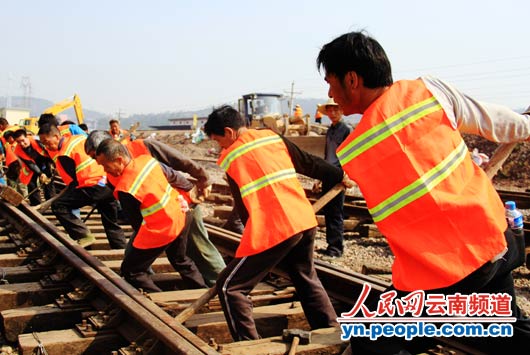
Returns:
(332,253)
(86,241)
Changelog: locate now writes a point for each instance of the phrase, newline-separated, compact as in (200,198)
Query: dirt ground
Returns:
(374,252)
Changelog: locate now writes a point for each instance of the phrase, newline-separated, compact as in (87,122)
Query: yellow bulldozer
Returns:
(265,111)
(31,123)
(262,110)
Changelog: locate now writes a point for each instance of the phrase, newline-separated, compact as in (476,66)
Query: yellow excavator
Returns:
(31,123)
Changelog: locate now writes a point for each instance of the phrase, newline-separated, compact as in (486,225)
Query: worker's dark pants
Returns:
(136,262)
(295,256)
(234,223)
(201,249)
(334,213)
(34,197)
(102,197)
(490,278)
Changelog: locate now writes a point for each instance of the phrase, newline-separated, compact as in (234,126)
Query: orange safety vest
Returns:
(137,147)
(123,137)
(277,206)
(64,130)
(163,218)
(12,128)
(25,174)
(10,154)
(298,112)
(440,213)
(35,145)
(87,171)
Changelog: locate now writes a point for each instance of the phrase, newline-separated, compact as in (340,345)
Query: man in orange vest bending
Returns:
(86,184)
(199,246)
(156,211)
(440,213)
(280,224)
(37,162)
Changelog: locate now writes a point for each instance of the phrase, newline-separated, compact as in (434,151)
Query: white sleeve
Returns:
(494,122)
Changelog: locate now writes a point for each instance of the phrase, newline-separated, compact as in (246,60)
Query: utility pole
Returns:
(119,114)
(8,97)
(25,84)
(291,98)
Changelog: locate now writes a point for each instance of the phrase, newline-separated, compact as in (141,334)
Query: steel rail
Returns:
(174,335)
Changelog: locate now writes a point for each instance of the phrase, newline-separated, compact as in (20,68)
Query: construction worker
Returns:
(6,127)
(84,127)
(298,115)
(157,213)
(65,128)
(199,246)
(334,210)
(121,135)
(318,115)
(86,184)
(440,213)
(280,224)
(14,173)
(37,163)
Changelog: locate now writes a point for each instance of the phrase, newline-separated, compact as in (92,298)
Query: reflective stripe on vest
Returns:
(140,179)
(71,146)
(88,172)
(154,208)
(260,142)
(265,180)
(135,186)
(385,129)
(163,219)
(421,186)
(260,165)
(440,213)
(64,130)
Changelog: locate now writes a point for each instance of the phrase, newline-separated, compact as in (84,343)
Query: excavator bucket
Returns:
(11,195)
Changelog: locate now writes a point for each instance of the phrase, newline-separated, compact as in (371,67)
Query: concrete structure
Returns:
(14,115)
(182,123)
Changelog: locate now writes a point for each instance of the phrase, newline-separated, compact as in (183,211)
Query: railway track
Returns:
(58,298)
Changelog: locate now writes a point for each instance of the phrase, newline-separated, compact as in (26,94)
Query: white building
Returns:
(14,115)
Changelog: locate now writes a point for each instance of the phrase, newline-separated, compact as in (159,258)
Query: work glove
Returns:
(44,180)
(184,207)
(194,196)
(198,195)
(204,192)
(347,182)
(317,187)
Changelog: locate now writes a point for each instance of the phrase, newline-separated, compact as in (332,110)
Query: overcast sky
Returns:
(162,55)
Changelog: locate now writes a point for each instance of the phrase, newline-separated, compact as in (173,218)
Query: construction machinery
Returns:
(263,110)
(31,123)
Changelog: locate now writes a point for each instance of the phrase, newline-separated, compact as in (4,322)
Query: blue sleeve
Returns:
(74,129)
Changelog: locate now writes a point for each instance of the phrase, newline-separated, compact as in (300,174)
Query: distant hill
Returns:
(309,106)
(37,106)
(99,120)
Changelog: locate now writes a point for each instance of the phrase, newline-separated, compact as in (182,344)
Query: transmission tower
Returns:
(25,84)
